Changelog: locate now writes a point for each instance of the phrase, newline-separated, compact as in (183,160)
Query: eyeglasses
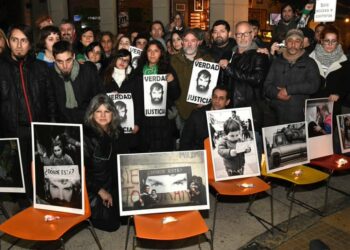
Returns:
(330,42)
(245,34)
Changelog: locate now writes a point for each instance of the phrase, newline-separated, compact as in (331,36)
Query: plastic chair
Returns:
(188,224)
(331,164)
(29,224)
(237,187)
(298,176)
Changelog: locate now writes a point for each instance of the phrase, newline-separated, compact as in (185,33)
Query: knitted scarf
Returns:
(325,58)
(71,101)
(119,75)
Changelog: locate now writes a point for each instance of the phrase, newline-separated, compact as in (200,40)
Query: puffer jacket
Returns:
(26,94)
(300,79)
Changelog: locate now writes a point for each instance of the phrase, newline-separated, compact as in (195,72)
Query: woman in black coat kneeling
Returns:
(102,138)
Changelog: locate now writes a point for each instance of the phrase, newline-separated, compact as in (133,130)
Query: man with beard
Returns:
(203,81)
(62,192)
(156,92)
(74,84)
(67,30)
(292,78)
(26,94)
(122,110)
(182,62)
(222,42)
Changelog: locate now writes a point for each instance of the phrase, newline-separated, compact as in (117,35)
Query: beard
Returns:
(220,41)
(202,88)
(156,100)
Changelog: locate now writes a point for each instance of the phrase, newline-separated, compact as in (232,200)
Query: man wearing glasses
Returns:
(292,78)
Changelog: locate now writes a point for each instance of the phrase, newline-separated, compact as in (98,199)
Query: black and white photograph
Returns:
(343,122)
(203,81)
(162,182)
(125,107)
(135,55)
(155,89)
(285,146)
(318,116)
(11,169)
(58,167)
(233,144)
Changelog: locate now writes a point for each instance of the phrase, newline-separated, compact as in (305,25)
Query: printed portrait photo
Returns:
(343,122)
(155,95)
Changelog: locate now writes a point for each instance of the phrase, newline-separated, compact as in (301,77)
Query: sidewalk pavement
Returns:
(235,229)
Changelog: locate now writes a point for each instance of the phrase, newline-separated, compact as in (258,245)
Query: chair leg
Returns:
(326,197)
(134,242)
(215,210)
(63,246)
(13,244)
(292,191)
(128,233)
(93,232)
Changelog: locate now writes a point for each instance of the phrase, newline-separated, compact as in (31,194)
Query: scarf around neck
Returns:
(119,75)
(327,59)
(71,101)
(150,70)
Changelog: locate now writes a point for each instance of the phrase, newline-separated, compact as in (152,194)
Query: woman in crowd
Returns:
(123,42)
(87,36)
(176,41)
(117,78)
(93,54)
(107,43)
(102,143)
(334,68)
(141,40)
(156,132)
(49,35)
(177,24)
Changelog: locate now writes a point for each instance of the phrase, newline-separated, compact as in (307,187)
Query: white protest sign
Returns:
(155,94)
(203,80)
(125,106)
(325,10)
(135,55)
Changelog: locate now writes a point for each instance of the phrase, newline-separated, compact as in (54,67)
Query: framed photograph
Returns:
(343,122)
(11,169)
(198,5)
(233,144)
(318,116)
(285,146)
(58,167)
(180,7)
(162,182)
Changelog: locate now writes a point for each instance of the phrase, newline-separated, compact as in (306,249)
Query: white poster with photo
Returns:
(125,107)
(11,169)
(318,117)
(155,94)
(58,167)
(203,80)
(162,182)
(233,144)
(285,146)
(343,122)
(135,55)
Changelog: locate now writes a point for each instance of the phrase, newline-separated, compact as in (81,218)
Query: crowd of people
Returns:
(65,76)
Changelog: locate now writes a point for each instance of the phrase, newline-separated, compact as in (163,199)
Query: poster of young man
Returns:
(318,116)
(155,94)
(11,172)
(203,80)
(58,167)
(233,144)
(125,106)
(343,122)
(135,55)
(162,182)
(285,146)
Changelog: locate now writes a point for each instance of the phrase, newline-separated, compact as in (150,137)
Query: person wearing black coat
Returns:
(26,94)
(157,133)
(74,84)
(103,140)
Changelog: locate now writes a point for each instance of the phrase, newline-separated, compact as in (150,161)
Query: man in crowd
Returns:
(67,30)
(183,64)
(195,129)
(222,44)
(26,94)
(292,78)
(287,22)
(74,84)
(157,32)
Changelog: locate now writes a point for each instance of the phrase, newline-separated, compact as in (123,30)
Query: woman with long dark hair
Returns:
(49,35)
(157,133)
(102,142)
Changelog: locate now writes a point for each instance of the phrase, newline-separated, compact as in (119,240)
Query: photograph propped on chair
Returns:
(11,171)
(58,160)
(162,182)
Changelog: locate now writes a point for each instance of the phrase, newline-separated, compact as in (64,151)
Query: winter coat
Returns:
(300,79)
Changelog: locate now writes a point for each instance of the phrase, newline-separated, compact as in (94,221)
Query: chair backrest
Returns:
(209,159)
